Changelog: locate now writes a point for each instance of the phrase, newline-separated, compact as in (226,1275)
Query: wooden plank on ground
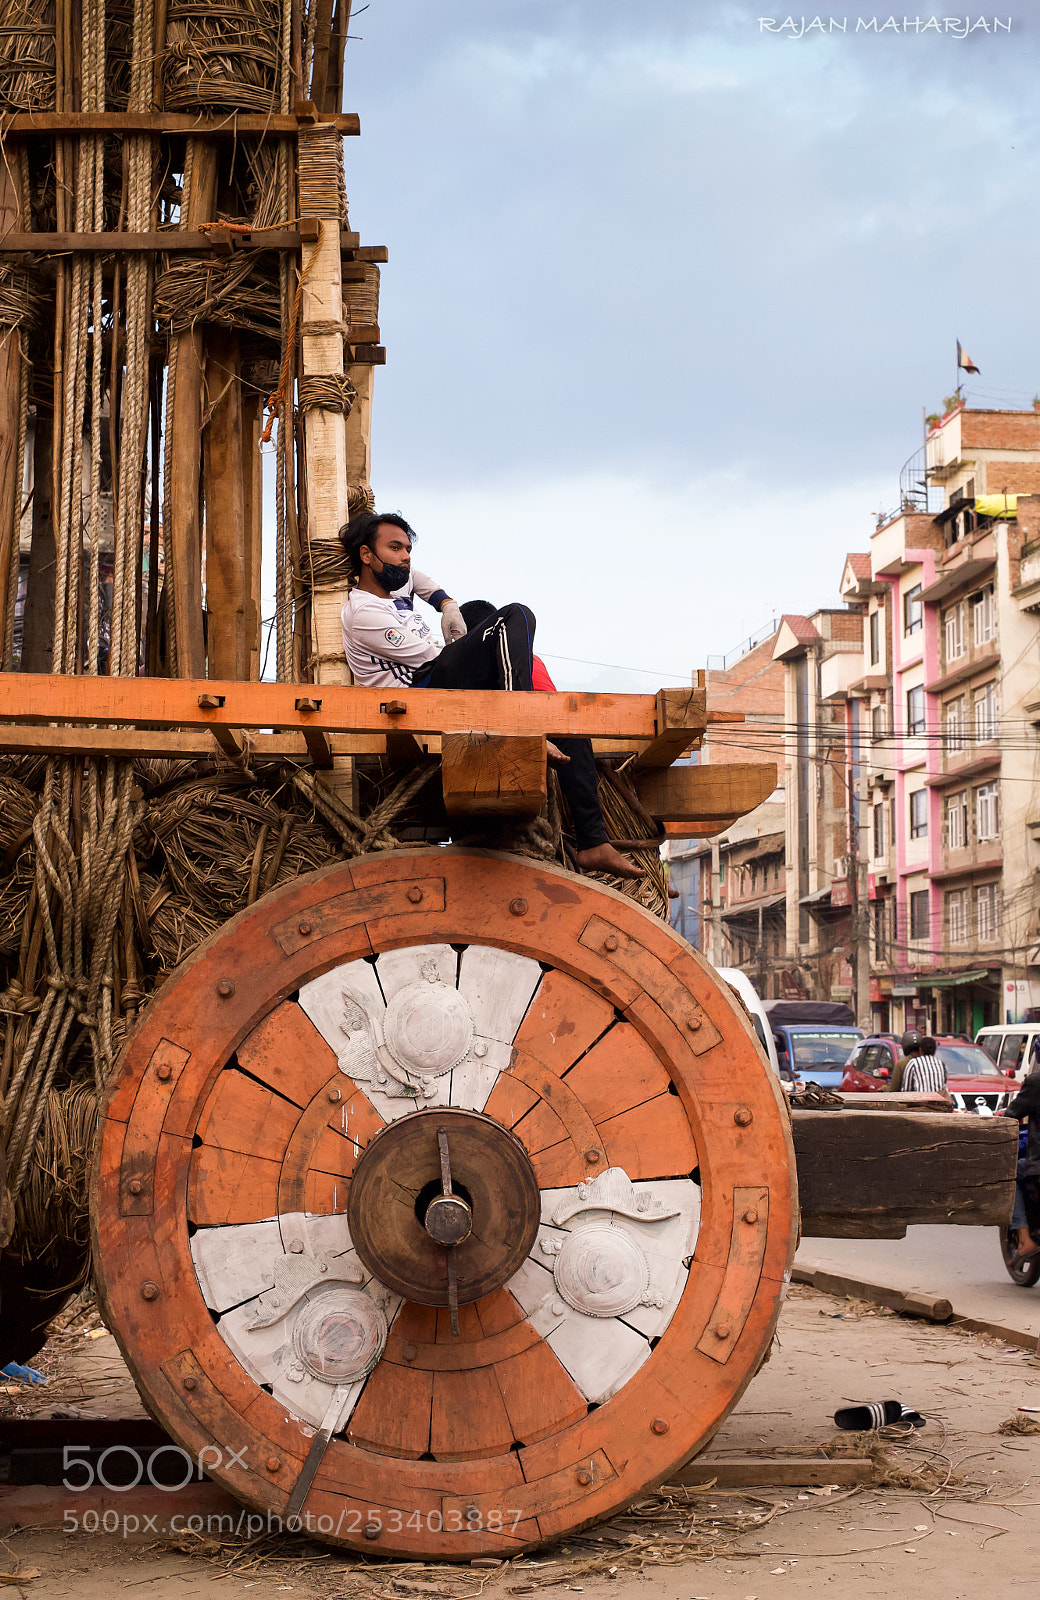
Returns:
(489,774)
(934,1169)
(754,1472)
(709,793)
(935,1308)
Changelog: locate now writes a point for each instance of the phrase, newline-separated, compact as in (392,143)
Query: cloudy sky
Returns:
(668,292)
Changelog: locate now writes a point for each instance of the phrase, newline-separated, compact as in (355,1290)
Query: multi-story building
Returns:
(950,670)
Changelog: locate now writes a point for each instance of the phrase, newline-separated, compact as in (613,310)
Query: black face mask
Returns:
(392,578)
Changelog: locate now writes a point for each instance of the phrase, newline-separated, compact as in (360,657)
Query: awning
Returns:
(951,982)
(753,907)
(957,576)
(817,898)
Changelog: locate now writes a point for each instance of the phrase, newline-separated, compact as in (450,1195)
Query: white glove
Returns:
(452,625)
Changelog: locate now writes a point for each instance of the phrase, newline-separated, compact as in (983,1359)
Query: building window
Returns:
(913,611)
(879,830)
(880,931)
(956,724)
(919,914)
(919,814)
(957,915)
(953,633)
(983,616)
(986,714)
(915,711)
(879,723)
(986,811)
(986,912)
(957,820)
(874,625)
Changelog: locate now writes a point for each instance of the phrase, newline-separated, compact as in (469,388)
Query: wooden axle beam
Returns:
(183,703)
(177,241)
(29,124)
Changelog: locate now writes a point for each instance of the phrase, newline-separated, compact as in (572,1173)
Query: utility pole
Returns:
(716,905)
(859,929)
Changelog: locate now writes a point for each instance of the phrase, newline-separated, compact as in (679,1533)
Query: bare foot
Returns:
(604,858)
(553,754)
(1026,1245)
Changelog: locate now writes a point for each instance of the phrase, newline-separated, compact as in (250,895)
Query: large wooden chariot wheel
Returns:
(444,1202)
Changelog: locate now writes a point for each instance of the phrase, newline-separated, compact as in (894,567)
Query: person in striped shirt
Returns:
(925,1072)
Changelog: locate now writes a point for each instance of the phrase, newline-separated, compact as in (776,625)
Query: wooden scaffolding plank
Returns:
(10,465)
(224,469)
(706,793)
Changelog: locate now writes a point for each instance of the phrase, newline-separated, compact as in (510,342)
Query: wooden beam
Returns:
(174,702)
(184,447)
(937,1169)
(30,124)
(227,575)
(38,617)
(493,775)
(11,469)
(164,241)
(682,717)
(723,791)
(933,1307)
(755,1472)
(253,507)
(194,744)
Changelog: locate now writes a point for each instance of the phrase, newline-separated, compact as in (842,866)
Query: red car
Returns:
(974,1085)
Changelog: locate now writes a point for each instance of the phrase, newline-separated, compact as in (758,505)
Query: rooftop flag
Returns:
(964,360)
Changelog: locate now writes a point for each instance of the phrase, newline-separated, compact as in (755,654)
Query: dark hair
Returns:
(361,530)
(927,1046)
(474,612)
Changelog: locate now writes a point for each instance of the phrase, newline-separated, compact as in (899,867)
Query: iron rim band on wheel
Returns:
(580,1060)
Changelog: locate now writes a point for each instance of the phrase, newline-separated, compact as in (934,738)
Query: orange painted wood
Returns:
(563,1020)
(324,1147)
(652,1140)
(463,1354)
(469,1416)
(562,1105)
(497,1312)
(510,1100)
(620,1071)
(174,702)
(539,1397)
(393,1414)
(470,1329)
(286,1051)
(226,1186)
(243,1115)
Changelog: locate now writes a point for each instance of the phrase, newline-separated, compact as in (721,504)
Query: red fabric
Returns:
(540,679)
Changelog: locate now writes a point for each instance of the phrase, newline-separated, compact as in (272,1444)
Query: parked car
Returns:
(813,1038)
(1010,1045)
(974,1084)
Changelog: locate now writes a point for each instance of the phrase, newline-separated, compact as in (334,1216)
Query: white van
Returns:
(1011,1046)
(749,998)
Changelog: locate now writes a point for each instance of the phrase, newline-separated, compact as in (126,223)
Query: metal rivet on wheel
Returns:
(296,1247)
(591,1155)
(190,1383)
(149,1290)
(659,1425)
(693,1023)
(585,1476)
(610,942)
(225,988)
(135,1186)
(721,1330)
(518,907)
(372,1531)
(164,1072)
(305,928)
(751,1216)
(272,1463)
(414,895)
(409,1352)
(335,1095)
(743,1117)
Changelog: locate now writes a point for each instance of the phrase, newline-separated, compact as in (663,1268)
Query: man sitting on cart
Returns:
(388,645)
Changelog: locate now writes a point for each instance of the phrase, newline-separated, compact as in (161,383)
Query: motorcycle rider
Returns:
(1025,1107)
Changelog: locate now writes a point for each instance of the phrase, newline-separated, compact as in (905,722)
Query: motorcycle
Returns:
(1023,1273)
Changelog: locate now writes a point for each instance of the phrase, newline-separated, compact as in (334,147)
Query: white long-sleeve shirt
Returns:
(386,640)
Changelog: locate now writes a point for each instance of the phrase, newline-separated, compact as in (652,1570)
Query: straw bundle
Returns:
(361,300)
(22,297)
(26,55)
(240,292)
(54,1203)
(223,57)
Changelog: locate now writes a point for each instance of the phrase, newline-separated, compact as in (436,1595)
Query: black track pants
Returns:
(496,654)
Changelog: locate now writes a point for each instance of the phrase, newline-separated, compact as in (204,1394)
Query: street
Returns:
(963,1264)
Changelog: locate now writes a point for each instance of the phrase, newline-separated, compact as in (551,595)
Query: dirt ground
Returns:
(963,1524)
